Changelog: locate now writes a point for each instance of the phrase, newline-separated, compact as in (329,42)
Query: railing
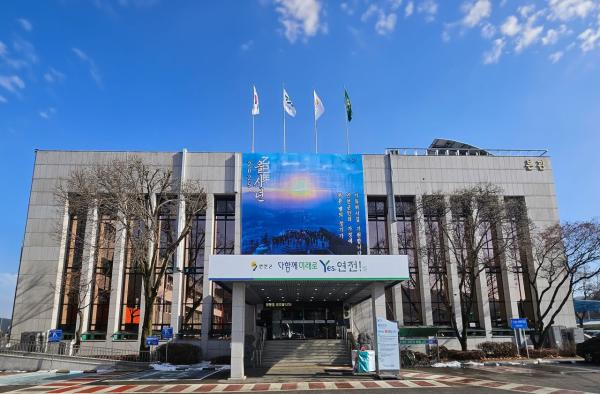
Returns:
(466,152)
(65,349)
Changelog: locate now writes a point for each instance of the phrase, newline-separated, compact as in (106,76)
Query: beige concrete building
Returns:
(194,306)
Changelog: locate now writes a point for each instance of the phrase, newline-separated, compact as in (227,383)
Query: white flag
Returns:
(255,109)
(319,108)
(288,106)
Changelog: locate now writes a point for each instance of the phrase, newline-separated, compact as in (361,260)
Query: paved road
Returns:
(539,379)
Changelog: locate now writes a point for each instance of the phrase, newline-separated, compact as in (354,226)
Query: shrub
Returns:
(543,353)
(224,360)
(185,352)
(411,358)
(499,349)
(465,355)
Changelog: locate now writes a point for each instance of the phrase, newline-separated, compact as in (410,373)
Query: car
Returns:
(590,350)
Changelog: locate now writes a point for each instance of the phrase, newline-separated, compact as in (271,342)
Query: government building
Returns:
(295,246)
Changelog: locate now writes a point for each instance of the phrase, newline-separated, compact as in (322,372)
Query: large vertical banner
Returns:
(299,203)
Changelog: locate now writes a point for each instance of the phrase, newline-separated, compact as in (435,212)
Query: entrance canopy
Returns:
(307,278)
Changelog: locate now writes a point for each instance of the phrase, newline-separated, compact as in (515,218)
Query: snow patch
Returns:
(449,364)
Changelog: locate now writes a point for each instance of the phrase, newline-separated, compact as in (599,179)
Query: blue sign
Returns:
(55,335)
(518,323)
(303,203)
(151,341)
(166,332)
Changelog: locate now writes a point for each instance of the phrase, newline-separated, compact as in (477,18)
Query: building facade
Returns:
(195,306)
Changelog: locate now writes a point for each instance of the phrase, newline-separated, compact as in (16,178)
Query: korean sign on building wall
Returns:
(300,203)
(312,267)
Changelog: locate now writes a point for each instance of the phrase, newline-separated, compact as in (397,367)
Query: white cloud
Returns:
(493,55)
(475,12)
(588,39)
(94,72)
(556,56)
(25,49)
(247,45)
(529,35)
(488,31)
(565,10)
(25,24)
(526,10)
(429,8)
(12,83)
(385,23)
(8,282)
(3,99)
(410,8)
(553,35)
(300,18)
(511,26)
(47,113)
(2,49)
(53,75)
(395,4)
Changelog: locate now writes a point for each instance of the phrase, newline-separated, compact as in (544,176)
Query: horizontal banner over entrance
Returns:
(308,267)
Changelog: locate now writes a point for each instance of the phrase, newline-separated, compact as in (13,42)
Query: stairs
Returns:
(313,352)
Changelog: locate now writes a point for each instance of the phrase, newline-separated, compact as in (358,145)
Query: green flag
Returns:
(348,105)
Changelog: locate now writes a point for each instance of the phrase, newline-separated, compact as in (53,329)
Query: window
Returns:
(132,288)
(377,212)
(224,225)
(103,266)
(518,260)
(221,313)
(461,233)
(495,284)
(405,225)
(70,286)
(167,222)
(436,262)
(193,276)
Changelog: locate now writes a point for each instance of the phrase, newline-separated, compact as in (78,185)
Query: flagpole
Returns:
(347,125)
(316,137)
(283,109)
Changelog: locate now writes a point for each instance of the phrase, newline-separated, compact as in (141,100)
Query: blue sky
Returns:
(164,75)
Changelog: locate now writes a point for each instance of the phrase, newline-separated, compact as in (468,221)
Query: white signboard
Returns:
(388,351)
(308,267)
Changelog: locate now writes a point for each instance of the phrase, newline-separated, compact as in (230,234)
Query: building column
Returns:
(207,284)
(483,305)
(178,263)
(377,310)
(423,276)
(88,265)
(238,312)
(116,280)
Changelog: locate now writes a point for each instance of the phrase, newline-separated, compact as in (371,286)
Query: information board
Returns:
(518,323)
(388,351)
(55,335)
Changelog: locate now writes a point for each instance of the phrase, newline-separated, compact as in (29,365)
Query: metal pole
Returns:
(347,136)
(517,342)
(252,133)
(316,136)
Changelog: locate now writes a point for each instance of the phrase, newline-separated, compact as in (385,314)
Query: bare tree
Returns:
(564,256)
(145,201)
(470,229)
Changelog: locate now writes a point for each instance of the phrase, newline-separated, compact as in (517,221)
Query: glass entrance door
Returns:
(302,321)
